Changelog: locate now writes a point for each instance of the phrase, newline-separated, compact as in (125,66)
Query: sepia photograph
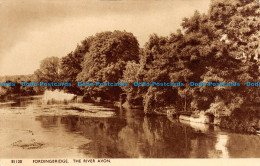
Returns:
(98,81)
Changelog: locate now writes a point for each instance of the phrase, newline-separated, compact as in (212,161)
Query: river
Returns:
(31,128)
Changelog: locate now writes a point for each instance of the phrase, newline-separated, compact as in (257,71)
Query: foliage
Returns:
(48,72)
(70,65)
(221,46)
(105,62)
(17,90)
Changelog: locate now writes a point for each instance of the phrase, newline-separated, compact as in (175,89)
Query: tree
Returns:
(132,74)
(71,65)
(105,62)
(48,71)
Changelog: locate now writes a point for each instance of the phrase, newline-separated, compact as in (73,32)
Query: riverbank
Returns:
(242,121)
(239,121)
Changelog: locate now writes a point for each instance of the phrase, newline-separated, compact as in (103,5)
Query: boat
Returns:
(198,118)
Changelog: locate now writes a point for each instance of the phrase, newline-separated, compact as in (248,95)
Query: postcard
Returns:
(129,82)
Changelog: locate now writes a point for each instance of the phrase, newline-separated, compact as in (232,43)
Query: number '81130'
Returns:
(16,161)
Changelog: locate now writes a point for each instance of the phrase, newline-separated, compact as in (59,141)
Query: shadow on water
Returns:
(134,137)
(131,134)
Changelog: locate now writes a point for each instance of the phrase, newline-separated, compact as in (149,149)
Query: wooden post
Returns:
(185,104)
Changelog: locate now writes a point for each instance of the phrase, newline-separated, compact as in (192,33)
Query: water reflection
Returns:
(221,146)
(131,134)
(118,137)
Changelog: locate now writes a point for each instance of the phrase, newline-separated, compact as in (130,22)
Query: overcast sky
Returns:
(31,30)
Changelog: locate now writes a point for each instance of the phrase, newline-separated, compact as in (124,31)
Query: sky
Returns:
(31,30)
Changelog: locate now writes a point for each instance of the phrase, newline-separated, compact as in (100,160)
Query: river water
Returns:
(32,128)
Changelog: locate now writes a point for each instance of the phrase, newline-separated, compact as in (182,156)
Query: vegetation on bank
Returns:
(220,46)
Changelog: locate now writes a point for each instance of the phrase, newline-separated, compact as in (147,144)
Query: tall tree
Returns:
(71,65)
(106,60)
(48,71)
